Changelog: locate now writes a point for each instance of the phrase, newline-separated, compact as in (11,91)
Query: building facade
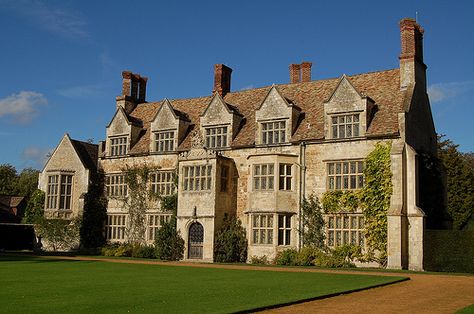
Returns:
(257,153)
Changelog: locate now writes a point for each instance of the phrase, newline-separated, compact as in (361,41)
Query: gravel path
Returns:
(423,293)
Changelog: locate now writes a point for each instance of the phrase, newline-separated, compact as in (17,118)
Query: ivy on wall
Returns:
(341,201)
(373,200)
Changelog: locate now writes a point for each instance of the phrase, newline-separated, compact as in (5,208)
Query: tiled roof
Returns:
(87,152)
(10,201)
(383,87)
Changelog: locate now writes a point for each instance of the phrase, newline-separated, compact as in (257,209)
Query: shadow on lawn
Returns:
(24,257)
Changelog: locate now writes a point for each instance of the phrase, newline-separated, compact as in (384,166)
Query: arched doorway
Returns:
(195,240)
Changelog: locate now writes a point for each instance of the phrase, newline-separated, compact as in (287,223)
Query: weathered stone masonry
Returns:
(256,154)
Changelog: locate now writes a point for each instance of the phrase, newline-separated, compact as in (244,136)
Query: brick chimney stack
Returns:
(142,89)
(133,91)
(412,67)
(222,75)
(295,73)
(306,71)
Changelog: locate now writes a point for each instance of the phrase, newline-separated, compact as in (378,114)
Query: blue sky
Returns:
(61,61)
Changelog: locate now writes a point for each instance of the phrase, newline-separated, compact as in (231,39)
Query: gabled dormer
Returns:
(122,132)
(168,129)
(347,112)
(219,123)
(276,119)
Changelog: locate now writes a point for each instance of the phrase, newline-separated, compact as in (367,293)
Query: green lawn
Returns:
(34,284)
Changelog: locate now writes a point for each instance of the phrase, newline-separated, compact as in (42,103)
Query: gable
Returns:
(64,157)
(119,124)
(345,92)
(274,106)
(216,112)
(165,118)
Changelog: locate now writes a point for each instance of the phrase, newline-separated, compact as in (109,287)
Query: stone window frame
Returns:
(115,186)
(262,228)
(59,192)
(197,181)
(285,176)
(284,229)
(163,182)
(280,131)
(216,137)
(164,141)
(338,176)
(263,177)
(345,228)
(154,222)
(115,225)
(118,145)
(339,124)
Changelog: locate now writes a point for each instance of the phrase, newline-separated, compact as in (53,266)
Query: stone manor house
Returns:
(256,153)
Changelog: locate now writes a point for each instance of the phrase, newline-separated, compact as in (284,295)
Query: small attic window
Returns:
(164,141)
(216,137)
(118,146)
(345,125)
(273,132)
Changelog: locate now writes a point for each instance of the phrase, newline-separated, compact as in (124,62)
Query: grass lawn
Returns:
(34,284)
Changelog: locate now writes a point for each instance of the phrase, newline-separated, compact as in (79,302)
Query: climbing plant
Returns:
(313,222)
(337,201)
(375,201)
(138,201)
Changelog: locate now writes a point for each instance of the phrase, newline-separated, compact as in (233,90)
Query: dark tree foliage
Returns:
(313,222)
(169,246)
(95,213)
(459,182)
(8,179)
(231,244)
(35,208)
(431,186)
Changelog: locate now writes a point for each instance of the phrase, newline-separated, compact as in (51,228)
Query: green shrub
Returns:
(230,244)
(124,250)
(286,257)
(110,249)
(307,255)
(259,260)
(143,251)
(169,245)
(341,256)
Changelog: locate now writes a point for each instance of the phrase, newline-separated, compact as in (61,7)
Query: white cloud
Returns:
(81,91)
(22,107)
(447,91)
(37,155)
(247,87)
(55,20)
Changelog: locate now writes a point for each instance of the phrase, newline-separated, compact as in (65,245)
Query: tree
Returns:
(231,244)
(94,214)
(8,179)
(459,182)
(34,208)
(59,234)
(313,222)
(27,182)
(169,245)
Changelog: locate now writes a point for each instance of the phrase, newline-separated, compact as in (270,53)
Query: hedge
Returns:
(449,250)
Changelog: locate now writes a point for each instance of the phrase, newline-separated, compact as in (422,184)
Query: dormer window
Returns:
(216,137)
(164,141)
(273,132)
(345,126)
(118,146)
